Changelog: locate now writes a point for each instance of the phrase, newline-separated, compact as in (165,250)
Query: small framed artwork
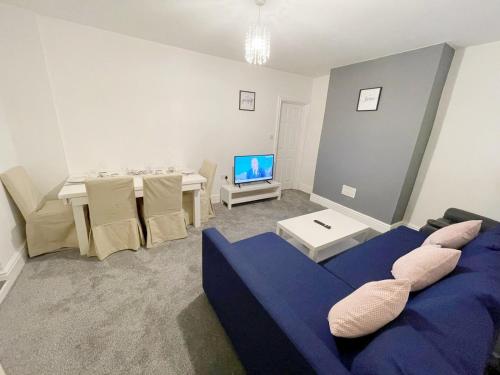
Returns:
(247,100)
(368,99)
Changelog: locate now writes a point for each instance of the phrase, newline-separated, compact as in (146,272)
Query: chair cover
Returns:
(113,216)
(49,223)
(163,213)
(207,170)
(22,190)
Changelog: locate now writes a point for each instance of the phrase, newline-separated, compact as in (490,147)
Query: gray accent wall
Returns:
(379,152)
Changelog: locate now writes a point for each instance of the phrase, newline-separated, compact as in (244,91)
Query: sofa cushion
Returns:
(452,322)
(448,335)
(481,255)
(488,240)
(373,259)
(449,326)
(400,350)
(308,289)
(462,310)
(491,238)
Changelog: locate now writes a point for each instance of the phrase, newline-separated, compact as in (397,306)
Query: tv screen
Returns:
(251,168)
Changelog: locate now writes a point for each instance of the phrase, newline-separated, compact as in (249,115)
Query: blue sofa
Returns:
(273,303)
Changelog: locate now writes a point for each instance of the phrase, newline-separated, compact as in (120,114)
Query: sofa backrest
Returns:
(456,215)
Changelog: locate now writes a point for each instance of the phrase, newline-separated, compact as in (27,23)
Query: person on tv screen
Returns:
(256,171)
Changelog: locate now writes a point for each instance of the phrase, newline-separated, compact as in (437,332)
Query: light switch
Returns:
(348,191)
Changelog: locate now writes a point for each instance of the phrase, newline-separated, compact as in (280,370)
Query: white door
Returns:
(290,127)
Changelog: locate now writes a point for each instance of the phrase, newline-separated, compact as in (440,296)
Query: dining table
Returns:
(74,194)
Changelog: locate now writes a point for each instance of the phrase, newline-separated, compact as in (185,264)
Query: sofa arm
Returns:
(433,225)
(267,335)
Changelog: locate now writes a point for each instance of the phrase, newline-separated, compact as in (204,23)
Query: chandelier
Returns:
(258,41)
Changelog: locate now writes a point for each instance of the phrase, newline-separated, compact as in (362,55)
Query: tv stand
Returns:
(232,194)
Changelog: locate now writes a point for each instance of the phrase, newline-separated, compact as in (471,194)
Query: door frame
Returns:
(303,129)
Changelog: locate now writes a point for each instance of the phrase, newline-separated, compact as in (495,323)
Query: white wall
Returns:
(461,166)
(26,94)
(12,236)
(126,102)
(29,131)
(312,137)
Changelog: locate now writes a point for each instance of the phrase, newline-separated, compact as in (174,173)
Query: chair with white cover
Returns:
(162,209)
(49,223)
(207,170)
(113,216)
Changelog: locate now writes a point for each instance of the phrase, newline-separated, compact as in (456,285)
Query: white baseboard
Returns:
(412,226)
(305,188)
(373,223)
(215,198)
(12,271)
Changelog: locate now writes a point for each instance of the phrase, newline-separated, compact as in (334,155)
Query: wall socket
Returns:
(348,191)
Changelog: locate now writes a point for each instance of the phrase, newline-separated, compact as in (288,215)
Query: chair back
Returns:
(162,194)
(22,190)
(207,170)
(111,199)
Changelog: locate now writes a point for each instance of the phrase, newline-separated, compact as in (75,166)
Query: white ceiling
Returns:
(307,37)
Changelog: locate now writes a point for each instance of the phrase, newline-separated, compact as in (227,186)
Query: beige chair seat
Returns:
(50,228)
(109,238)
(49,223)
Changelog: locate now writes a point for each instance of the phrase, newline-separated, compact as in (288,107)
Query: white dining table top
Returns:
(75,190)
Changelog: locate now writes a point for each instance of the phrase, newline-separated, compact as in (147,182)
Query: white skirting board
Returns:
(375,224)
(305,188)
(412,226)
(12,271)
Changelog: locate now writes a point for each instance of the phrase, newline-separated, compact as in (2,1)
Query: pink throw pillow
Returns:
(455,236)
(425,265)
(368,308)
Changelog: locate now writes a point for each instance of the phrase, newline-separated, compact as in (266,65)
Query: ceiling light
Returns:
(258,41)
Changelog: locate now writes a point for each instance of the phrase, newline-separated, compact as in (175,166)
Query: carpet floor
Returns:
(138,312)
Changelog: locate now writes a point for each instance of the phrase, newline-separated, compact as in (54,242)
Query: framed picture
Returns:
(368,99)
(247,101)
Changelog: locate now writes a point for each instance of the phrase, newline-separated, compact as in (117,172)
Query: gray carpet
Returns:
(134,313)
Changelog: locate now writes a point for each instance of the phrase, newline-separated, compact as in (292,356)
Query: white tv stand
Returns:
(233,194)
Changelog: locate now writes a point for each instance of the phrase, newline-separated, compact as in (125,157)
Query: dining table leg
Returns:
(82,232)
(197,208)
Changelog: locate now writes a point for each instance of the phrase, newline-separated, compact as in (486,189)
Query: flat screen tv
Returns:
(251,168)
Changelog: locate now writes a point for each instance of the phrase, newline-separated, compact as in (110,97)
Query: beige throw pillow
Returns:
(456,235)
(368,308)
(425,265)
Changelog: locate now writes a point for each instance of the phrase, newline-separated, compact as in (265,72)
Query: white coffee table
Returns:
(316,237)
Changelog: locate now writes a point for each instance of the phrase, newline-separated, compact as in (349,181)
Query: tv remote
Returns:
(323,224)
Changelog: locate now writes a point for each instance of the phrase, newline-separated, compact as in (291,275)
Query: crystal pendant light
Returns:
(258,41)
